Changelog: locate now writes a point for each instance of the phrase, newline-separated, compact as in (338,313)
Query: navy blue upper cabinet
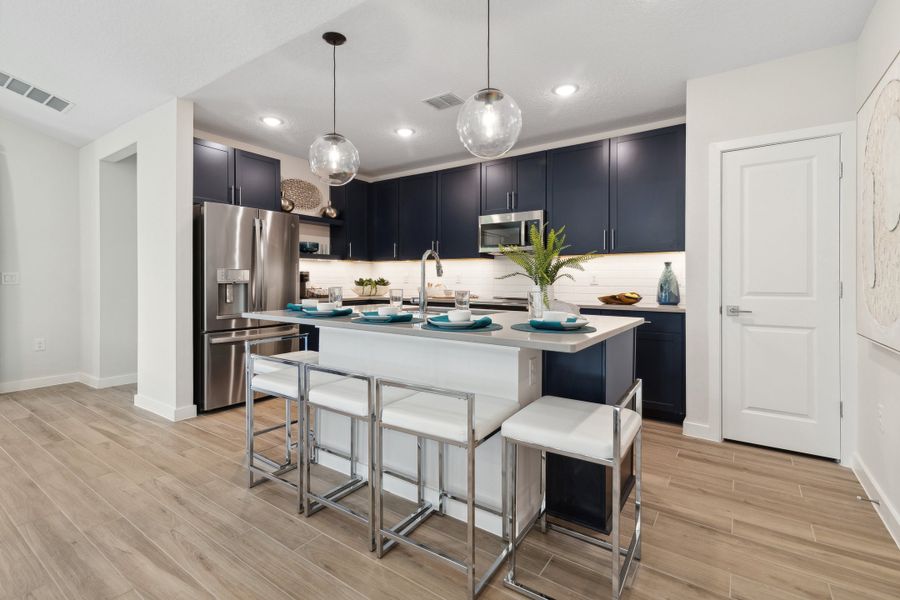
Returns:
(518,183)
(646,192)
(213,172)
(383,211)
(417,219)
(530,191)
(351,240)
(578,195)
(257,180)
(459,195)
(233,176)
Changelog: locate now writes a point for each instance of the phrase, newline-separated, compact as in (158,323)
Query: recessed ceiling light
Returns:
(565,89)
(404,131)
(272,121)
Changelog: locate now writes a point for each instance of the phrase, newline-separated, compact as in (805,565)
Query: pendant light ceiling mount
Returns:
(332,157)
(490,121)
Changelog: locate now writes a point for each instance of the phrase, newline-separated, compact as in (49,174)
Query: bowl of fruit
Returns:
(623,298)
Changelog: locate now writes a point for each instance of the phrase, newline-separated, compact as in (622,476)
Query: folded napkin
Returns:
(400,318)
(312,310)
(297,307)
(477,324)
(557,325)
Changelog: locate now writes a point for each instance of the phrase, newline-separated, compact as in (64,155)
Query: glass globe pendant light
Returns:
(490,121)
(332,157)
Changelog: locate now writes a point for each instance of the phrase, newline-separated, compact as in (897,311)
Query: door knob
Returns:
(733,311)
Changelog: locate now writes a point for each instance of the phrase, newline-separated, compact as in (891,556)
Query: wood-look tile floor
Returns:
(99,500)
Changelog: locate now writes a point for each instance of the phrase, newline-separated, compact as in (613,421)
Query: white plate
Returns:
(578,324)
(451,324)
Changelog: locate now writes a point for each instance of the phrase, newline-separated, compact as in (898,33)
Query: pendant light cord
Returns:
(489,43)
(334,89)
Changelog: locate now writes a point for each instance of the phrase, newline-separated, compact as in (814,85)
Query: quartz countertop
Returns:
(606,327)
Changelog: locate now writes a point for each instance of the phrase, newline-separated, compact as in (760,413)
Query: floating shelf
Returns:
(320,220)
(320,256)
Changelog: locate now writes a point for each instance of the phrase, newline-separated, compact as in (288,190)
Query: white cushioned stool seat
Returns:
(350,395)
(283,382)
(571,426)
(261,365)
(445,416)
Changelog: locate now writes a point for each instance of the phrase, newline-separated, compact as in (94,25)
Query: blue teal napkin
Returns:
(555,325)
(312,310)
(401,318)
(297,307)
(477,324)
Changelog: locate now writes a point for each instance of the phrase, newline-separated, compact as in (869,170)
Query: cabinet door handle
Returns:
(613,239)
(604,239)
(240,197)
(350,250)
(508,202)
(438,246)
(395,249)
(231,188)
(513,196)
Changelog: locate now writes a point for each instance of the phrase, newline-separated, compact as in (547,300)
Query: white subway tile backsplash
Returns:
(607,274)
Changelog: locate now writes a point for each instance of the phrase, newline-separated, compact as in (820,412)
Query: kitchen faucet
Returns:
(423,292)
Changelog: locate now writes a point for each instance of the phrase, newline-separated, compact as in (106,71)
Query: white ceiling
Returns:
(117,59)
(241,59)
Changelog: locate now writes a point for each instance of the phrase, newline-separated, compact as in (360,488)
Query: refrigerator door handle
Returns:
(254,265)
(263,244)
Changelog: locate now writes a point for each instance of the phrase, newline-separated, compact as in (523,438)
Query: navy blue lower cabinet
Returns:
(660,362)
(578,491)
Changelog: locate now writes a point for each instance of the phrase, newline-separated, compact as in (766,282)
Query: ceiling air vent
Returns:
(33,93)
(444,101)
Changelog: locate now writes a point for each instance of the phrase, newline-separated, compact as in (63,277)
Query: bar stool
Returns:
(462,419)
(352,395)
(274,375)
(597,433)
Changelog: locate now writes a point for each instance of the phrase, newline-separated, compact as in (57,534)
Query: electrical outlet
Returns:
(594,280)
(40,344)
(11,278)
(881,417)
(458,279)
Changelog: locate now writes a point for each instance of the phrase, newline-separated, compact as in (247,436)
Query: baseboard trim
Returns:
(887,511)
(20,385)
(106,382)
(165,411)
(699,430)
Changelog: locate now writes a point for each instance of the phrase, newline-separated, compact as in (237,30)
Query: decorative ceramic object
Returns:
(667,292)
(303,194)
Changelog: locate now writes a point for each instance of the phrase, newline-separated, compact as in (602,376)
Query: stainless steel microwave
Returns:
(507,229)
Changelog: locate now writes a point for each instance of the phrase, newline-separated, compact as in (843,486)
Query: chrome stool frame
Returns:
(399,533)
(312,502)
(632,553)
(273,471)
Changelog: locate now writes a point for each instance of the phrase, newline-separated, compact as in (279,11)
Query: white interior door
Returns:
(780,270)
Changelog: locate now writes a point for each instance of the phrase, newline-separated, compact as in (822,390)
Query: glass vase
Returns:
(667,291)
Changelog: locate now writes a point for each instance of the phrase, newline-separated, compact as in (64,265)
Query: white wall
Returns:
(292,167)
(163,139)
(118,272)
(802,91)
(39,234)
(878,459)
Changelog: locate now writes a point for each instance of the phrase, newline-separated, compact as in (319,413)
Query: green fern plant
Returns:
(543,264)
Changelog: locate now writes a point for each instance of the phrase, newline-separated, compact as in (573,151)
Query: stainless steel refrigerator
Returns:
(245,259)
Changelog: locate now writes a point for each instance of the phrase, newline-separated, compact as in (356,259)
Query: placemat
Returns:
(530,329)
(491,327)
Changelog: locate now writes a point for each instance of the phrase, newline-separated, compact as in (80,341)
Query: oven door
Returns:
(510,229)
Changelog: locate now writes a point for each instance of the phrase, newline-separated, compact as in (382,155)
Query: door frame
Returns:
(846,133)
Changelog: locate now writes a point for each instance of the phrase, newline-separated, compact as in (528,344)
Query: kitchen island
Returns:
(596,366)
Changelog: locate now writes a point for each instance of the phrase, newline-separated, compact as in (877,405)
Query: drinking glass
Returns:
(461,299)
(536,304)
(336,295)
(396,297)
